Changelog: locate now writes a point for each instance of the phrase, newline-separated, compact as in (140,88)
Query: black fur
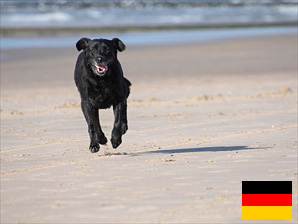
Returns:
(100,81)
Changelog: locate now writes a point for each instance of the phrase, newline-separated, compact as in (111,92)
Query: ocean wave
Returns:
(138,3)
(52,13)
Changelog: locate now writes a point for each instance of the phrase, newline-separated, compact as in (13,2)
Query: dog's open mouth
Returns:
(101,68)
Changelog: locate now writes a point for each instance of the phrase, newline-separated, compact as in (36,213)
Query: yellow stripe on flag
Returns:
(266,212)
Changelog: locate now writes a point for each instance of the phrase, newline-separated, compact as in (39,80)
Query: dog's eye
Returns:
(94,51)
(105,49)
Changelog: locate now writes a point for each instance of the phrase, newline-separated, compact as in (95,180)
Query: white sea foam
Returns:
(38,18)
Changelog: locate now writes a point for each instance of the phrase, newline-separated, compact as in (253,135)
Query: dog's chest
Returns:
(104,96)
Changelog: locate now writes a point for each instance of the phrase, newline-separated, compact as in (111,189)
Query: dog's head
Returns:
(100,54)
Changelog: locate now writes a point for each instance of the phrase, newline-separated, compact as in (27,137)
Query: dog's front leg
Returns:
(117,132)
(92,118)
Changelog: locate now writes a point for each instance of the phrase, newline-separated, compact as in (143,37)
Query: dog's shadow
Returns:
(186,150)
(204,149)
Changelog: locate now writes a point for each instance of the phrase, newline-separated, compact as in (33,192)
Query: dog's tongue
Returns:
(102,67)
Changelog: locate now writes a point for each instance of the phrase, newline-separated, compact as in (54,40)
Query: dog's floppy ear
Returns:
(82,43)
(120,46)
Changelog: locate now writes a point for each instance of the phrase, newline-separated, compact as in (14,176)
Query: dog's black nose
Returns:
(99,59)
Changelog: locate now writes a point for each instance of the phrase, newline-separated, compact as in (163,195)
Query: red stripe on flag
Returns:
(266,199)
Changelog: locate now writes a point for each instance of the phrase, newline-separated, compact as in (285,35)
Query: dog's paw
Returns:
(103,140)
(116,142)
(124,128)
(94,148)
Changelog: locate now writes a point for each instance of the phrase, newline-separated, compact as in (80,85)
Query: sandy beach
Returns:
(202,118)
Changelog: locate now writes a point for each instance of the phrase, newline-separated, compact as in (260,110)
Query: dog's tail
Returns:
(128,84)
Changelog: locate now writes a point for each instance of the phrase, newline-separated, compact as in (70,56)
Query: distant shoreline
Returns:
(57,31)
(144,37)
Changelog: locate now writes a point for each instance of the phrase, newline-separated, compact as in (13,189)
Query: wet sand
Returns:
(202,118)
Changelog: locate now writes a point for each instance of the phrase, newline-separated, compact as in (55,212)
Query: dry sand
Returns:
(202,118)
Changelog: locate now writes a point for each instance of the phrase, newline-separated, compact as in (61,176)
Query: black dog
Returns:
(99,78)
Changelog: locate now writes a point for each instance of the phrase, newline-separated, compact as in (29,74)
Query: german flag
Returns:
(266,199)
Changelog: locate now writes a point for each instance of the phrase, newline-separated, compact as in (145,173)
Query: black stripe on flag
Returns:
(266,187)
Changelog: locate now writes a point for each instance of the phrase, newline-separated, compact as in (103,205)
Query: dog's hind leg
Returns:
(96,134)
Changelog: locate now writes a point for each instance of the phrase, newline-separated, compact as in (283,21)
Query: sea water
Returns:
(111,13)
(107,13)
